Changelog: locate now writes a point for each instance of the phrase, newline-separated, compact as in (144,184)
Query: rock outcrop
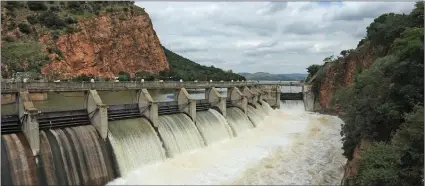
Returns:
(105,45)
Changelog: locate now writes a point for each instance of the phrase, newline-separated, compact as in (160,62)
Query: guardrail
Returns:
(82,86)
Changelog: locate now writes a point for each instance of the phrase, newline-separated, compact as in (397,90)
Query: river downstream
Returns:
(291,146)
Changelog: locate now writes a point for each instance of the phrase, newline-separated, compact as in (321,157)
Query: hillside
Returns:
(377,89)
(81,39)
(183,68)
(272,77)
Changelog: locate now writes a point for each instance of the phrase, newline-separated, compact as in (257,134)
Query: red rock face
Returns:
(362,59)
(105,45)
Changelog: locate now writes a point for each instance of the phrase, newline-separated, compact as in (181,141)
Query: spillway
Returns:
(179,134)
(17,162)
(294,106)
(135,143)
(256,115)
(289,147)
(213,126)
(238,121)
(266,107)
(74,156)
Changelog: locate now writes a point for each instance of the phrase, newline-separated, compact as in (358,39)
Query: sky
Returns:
(274,37)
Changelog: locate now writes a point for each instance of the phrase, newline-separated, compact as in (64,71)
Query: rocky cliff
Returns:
(105,45)
(341,73)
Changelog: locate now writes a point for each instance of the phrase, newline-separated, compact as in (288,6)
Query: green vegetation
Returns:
(182,68)
(22,56)
(385,103)
(273,77)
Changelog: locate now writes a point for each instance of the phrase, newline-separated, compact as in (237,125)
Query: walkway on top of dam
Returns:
(83,86)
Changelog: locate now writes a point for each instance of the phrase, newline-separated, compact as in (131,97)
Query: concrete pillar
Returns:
(27,113)
(98,112)
(308,97)
(277,88)
(237,98)
(257,93)
(216,100)
(148,107)
(251,96)
(186,103)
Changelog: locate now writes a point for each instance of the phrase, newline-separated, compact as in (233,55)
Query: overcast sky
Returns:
(274,37)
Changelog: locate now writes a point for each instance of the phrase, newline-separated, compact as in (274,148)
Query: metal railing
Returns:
(79,86)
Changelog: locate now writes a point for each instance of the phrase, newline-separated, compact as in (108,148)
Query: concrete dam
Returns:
(53,135)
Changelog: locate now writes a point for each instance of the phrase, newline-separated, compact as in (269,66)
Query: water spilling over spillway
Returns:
(179,134)
(288,146)
(213,126)
(135,143)
(238,121)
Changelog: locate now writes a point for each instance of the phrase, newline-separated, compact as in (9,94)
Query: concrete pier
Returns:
(308,97)
(216,100)
(98,112)
(251,96)
(148,107)
(186,103)
(235,96)
(27,114)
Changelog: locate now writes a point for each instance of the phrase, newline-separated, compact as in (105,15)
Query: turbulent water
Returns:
(266,107)
(213,126)
(290,146)
(256,115)
(238,121)
(179,134)
(134,143)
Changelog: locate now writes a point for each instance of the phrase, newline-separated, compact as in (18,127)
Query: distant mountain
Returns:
(296,76)
(273,77)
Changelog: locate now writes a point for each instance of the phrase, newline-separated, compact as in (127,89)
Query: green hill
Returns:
(183,68)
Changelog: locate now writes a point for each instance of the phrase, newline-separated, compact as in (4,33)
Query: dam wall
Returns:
(113,132)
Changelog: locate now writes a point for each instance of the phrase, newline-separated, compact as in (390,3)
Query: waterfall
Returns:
(17,162)
(237,120)
(256,115)
(135,143)
(266,107)
(74,156)
(212,126)
(294,106)
(179,134)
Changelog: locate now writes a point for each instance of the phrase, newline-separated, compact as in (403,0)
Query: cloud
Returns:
(275,37)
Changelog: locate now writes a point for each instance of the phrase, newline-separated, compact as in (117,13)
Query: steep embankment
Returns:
(377,89)
(86,39)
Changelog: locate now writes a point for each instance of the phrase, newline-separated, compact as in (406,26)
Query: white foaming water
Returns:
(255,115)
(212,126)
(238,121)
(289,147)
(135,143)
(266,107)
(179,134)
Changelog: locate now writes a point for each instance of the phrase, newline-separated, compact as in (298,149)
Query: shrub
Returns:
(12,5)
(32,19)
(10,38)
(37,5)
(24,28)
(70,20)
(55,35)
(51,20)
(55,9)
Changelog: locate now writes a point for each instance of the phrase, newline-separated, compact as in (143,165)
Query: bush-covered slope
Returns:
(378,89)
(183,68)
